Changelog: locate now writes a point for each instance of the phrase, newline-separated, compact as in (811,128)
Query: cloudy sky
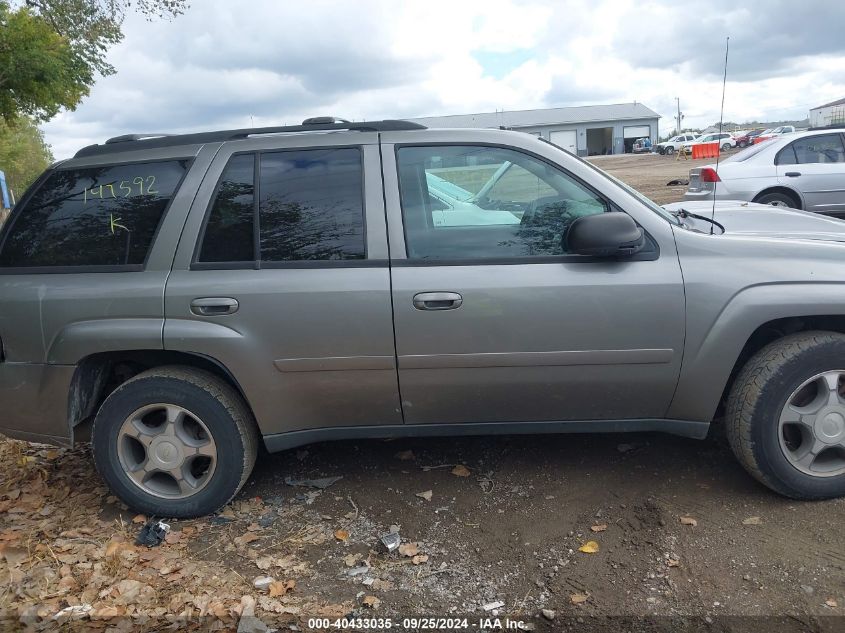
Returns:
(231,63)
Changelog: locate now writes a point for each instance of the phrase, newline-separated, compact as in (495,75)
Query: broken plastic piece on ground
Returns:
(391,541)
(677,181)
(493,605)
(152,533)
(322,483)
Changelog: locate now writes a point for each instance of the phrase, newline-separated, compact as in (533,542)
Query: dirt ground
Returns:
(649,173)
(490,527)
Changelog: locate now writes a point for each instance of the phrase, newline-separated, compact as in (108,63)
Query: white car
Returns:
(674,143)
(725,140)
(805,170)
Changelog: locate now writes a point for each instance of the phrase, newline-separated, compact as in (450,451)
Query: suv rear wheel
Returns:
(174,442)
(786,415)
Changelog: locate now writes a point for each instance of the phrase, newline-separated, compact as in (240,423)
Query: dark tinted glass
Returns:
(311,205)
(229,235)
(473,202)
(97,216)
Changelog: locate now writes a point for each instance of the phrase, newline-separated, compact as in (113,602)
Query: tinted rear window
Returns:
(94,216)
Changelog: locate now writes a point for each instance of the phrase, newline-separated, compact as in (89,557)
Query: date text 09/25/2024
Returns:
(418,624)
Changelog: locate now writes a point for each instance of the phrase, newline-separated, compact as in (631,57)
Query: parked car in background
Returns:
(725,140)
(802,171)
(642,146)
(774,132)
(674,143)
(745,139)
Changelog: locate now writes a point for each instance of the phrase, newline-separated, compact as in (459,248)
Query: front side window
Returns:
(310,207)
(490,203)
(92,216)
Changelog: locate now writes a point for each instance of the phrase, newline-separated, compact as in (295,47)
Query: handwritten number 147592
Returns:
(138,186)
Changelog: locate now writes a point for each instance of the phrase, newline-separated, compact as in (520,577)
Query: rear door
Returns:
(815,166)
(494,321)
(282,277)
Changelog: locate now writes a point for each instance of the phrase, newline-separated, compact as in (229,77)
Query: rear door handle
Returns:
(437,300)
(792,174)
(214,306)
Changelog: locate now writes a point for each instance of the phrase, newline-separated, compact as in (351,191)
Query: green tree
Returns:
(51,51)
(23,153)
(39,70)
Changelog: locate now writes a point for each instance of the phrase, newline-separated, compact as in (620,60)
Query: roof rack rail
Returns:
(129,142)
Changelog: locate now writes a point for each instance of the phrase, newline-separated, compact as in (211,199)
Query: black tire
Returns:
(215,402)
(742,144)
(757,397)
(726,147)
(779,199)
(670,150)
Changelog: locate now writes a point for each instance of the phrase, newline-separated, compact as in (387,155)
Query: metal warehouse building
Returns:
(583,130)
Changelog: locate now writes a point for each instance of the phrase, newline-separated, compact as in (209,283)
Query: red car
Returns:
(748,138)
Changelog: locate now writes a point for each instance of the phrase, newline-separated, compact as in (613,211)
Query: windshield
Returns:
(745,154)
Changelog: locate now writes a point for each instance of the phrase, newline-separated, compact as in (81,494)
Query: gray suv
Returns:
(184,300)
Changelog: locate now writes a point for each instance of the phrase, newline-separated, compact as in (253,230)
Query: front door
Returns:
(494,321)
(282,277)
(815,166)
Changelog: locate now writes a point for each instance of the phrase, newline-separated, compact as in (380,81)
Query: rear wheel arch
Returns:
(785,191)
(98,375)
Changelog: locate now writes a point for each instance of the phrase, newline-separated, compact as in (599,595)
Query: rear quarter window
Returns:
(102,216)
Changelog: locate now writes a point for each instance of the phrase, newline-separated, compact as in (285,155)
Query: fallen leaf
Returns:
(351,560)
(139,518)
(371,602)
(601,527)
(752,521)
(173,537)
(579,598)
(419,559)
(405,456)
(831,603)
(249,537)
(14,556)
(590,547)
(341,535)
(688,521)
(461,471)
(425,495)
(409,549)
(279,588)
(673,562)
(253,527)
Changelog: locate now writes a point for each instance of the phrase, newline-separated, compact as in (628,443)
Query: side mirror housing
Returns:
(613,234)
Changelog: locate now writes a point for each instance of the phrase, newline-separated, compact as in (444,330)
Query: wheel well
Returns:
(782,190)
(97,375)
(773,330)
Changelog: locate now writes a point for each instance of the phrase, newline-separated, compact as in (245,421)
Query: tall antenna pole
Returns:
(721,118)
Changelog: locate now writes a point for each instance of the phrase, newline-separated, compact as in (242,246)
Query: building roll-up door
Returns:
(567,139)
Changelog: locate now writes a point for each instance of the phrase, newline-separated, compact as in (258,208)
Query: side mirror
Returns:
(612,234)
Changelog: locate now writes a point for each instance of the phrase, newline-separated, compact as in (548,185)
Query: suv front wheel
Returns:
(174,442)
(786,415)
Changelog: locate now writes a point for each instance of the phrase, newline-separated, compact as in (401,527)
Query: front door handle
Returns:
(438,301)
(792,174)
(214,306)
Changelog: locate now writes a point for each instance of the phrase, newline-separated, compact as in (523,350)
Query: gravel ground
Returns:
(612,533)
(649,173)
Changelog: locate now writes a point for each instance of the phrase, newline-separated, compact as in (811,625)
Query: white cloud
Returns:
(227,64)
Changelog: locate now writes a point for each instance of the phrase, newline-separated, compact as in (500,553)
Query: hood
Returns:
(763,220)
